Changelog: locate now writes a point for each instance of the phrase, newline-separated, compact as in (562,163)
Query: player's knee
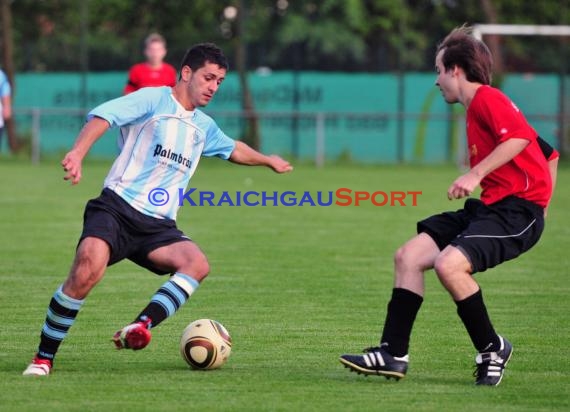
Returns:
(400,257)
(196,266)
(202,268)
(446,268)
(84,267)
(441,266)
(83,276)
(404,258)
(450,264)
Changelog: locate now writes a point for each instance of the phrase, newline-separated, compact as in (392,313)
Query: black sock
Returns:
(402,311)
(473,313)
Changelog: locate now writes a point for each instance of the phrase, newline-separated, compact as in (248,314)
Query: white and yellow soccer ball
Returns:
(205,344)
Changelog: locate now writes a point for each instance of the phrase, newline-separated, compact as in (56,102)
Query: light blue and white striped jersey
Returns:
(161,144)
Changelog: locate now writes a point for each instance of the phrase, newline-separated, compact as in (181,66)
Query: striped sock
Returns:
(61,314)
(168,299)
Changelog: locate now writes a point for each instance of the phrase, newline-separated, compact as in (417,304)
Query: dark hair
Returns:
(197,56)
(470,54)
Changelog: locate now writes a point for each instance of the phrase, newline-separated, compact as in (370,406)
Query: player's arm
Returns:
(551,156)
(465,185)
(88,135)
(6,107)
(245,155)
(553,167)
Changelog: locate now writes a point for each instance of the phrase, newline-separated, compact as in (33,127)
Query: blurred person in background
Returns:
(154,72)
(5,102)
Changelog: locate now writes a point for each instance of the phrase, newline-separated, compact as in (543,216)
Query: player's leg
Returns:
(454,269)
(88,268)
(410,263)
(188,266)
(391,357)
(495,234)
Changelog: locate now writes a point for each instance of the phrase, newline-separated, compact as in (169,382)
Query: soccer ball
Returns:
(205,344)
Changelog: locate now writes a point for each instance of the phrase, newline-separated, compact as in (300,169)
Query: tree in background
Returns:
(353,35)
(251,132)
(327,35)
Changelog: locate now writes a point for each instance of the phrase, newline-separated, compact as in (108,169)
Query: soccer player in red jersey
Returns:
(516,170)
(154,72)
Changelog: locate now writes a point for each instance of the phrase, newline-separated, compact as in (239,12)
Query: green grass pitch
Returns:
(295,286)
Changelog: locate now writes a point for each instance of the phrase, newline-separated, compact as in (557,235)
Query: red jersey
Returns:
(493,118)
(142,75)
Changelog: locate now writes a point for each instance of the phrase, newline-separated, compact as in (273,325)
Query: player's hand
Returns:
(463,186)
(279,165)
(72,166)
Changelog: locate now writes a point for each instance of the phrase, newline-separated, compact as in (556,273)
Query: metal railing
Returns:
(318,119)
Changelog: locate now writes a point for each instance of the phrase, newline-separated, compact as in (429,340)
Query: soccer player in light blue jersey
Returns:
(163,134)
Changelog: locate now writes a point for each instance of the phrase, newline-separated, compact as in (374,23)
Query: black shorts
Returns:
(488,234)
(129,233)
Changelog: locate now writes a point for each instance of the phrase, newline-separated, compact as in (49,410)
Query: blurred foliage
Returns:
(347,35)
